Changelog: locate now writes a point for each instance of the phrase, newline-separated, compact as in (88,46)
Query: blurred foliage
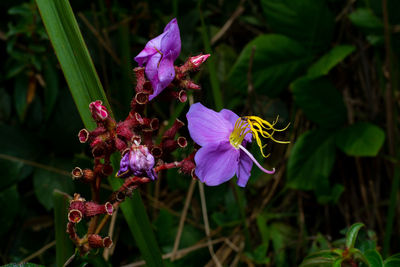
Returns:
(329,67)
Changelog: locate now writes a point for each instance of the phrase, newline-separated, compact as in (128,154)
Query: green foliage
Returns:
(320,101)
(277,60)
(307,21)
(312,159)
(360,139)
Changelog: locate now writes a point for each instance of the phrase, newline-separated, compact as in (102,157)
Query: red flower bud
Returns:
(99,112)
(197,61)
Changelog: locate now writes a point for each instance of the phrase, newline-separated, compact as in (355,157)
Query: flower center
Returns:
(239,132)
(258,127)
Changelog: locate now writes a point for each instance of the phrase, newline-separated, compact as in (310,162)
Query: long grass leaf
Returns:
(64,248)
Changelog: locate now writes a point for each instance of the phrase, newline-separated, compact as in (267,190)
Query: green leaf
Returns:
(73,55)
(328,194)
(369,23)
(307,21)
(64,248)
(330,60)
(392,261)
(320,101)
(365,19)
(311,159)
(20,96)
(360,139)
(277,61)
(324,258)
(259,255)
(45,182)
(9,199)
(351,235)
(374,258)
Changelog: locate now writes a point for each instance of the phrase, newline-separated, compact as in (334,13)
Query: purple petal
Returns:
(123,165)
(171,42)
(216,163)
(232,117)
(207,126)
(150,49)
(152,71)
(229,115)
(166,74)
(244,168)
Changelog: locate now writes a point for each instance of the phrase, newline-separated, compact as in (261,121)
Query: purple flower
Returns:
(138,161)
(159,55)
(223,137)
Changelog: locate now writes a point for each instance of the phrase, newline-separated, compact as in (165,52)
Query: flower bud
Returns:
(197,61)
(99,112)
(92,208)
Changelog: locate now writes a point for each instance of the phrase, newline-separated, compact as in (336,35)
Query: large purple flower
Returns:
(159,55)
(223,137)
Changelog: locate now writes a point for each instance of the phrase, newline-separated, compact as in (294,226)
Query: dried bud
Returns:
(157,151)
(182,142)
(83,135)
(142,98)
(188,167)
(154,124)
(197,61)
(119,144)
(99,112)
(75,216)
(88,176)
(77,173)
(170,133)
(92,208)
(169,145)
(96,241)
(107,170)
(76,209)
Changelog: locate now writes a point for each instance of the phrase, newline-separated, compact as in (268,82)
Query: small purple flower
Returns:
(138,161)
(159,55)
(223,137)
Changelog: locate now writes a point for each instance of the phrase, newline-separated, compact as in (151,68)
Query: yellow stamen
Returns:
(258,127)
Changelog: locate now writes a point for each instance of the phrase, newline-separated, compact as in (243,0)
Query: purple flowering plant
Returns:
(146,150)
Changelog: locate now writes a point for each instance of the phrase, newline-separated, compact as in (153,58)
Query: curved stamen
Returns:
(255,161)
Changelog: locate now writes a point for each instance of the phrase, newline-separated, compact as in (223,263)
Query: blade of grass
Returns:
(85,87)
(64,247)
(73,55)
